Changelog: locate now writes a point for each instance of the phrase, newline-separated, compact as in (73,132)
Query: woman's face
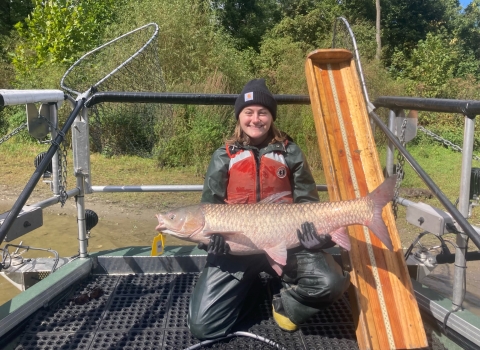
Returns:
(255,121)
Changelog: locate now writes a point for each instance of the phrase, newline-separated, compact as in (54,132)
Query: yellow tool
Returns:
(158,244)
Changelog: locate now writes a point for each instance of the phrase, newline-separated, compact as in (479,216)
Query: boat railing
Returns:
(469,109)
(78,118)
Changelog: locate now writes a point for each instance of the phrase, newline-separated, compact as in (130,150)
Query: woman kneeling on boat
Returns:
(229,284)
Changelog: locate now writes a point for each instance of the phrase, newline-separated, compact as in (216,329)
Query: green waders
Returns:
(311,281)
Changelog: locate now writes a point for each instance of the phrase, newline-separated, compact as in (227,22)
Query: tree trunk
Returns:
(378,55)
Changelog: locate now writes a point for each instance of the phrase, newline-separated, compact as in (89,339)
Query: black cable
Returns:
(443,244)
(238,334)
(414,243)
(458,307)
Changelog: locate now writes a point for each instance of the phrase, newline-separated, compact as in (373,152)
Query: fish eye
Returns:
(171,216)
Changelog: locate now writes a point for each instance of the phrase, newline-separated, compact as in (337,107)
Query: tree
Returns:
(469,28)
(60,31)
(246,20)
(405,22)
(432,64)
(360,10)
(307,21)
(12,12)
(378,55)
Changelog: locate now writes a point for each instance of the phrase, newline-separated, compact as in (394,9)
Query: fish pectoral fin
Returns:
(278,253)
(340,236)
(276,267)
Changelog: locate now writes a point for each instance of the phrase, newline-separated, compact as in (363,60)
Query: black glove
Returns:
(310,238)
(216,246)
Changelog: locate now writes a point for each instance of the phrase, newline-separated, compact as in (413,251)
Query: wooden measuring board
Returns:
(384,305)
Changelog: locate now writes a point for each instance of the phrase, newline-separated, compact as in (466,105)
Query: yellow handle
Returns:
(158,244)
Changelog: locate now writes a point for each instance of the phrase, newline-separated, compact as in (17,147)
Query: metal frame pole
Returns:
(463,207)
(82,226)
(81,156)
(391,147)
(55,158)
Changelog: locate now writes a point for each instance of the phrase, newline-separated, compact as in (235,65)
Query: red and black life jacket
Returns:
(249,183)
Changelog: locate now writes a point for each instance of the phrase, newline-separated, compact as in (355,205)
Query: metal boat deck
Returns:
(130,300)
(150,312)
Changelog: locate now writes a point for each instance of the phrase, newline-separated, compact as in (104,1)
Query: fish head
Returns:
(183,222)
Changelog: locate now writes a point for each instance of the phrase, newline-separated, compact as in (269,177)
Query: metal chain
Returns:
(62,165)
(62,168)
(13,133)
(399,170)
(444,141)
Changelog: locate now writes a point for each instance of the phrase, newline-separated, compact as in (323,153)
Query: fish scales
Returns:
(259,222)
(271,227)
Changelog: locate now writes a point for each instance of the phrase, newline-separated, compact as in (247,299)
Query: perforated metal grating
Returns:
(147,312)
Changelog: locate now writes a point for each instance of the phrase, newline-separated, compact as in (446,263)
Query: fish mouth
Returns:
(161,225)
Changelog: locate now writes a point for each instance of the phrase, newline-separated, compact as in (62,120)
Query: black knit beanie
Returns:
(255,92)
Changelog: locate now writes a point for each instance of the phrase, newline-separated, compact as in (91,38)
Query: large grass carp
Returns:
(270,227)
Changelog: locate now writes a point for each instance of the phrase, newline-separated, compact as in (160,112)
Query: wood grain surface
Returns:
(382,297)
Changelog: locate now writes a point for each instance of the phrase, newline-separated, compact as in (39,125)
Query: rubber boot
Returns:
(279,316)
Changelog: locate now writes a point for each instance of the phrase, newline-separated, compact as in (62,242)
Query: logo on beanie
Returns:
(249,96)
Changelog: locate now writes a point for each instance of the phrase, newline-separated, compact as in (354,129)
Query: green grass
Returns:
(441,164)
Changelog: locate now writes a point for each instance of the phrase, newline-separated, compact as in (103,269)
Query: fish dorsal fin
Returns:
(278,253)
(277,198)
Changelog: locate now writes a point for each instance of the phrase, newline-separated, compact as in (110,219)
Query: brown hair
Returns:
(242,138)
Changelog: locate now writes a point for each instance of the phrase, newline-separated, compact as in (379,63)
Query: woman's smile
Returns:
(255,121)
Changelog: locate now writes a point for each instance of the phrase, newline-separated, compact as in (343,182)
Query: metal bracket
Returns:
(429,218)
(38,127)
(29,219)
(411,126)
(420,265)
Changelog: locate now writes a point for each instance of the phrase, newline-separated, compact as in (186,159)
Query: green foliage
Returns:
(246,21)
(365,37)
(3,122)
(7,75)
(124,131)
(405,22)
(59,31)
(199,131)
(361,10)
(281,61)
(430,50)
(468,27)
(306,21)
(12,117)
(192,49)
(432,64)
(12,12)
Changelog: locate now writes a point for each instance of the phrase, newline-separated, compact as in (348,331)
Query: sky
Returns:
(465,3)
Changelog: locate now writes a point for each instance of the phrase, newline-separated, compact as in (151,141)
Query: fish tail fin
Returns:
(380,197)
